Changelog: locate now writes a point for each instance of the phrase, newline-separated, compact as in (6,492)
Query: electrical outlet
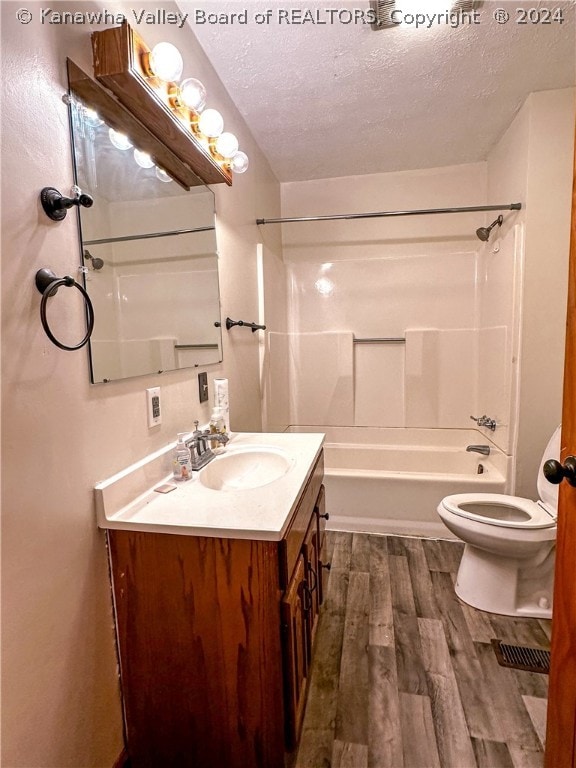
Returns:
(203,387)
(154,410)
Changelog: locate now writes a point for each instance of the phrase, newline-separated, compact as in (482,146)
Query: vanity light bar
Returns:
(121,63)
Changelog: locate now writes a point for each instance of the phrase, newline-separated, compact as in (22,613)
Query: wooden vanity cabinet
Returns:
(215,641)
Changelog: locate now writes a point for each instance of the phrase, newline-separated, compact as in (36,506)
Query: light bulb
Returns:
(161,175)
(211,123)
(227,145)
(240,162)
(193,94)
(119,140)
(143,159)
(166,62)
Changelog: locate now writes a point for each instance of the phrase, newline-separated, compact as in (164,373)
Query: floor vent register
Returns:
(520,657)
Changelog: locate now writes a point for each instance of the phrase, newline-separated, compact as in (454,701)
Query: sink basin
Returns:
(244,468)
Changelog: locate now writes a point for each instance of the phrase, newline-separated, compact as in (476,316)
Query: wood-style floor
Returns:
(404,675)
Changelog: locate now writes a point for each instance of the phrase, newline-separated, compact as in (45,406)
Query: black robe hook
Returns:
(56,205)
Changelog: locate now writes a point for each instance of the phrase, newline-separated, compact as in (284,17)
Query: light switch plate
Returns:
(203,387)
(154,410)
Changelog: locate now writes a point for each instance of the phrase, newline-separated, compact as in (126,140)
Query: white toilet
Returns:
(508,562)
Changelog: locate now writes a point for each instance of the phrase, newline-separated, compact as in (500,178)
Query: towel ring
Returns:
(47,283)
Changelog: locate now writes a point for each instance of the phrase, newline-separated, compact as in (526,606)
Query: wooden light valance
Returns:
(119,64)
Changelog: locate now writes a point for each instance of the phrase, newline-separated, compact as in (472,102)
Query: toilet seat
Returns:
(501,510)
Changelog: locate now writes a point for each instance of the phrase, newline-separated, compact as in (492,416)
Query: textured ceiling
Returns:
(339,99)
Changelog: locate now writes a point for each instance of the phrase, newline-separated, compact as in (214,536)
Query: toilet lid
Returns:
(499,509)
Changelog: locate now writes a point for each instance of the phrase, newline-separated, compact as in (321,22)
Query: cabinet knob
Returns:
(325,516)
(328,566)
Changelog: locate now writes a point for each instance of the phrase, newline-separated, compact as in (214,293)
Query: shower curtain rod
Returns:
(379,214)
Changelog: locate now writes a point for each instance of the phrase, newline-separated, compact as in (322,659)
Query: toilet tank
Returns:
(548,492)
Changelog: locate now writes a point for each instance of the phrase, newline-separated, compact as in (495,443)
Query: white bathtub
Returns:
(381,480)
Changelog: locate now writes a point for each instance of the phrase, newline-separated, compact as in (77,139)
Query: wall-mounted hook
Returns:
(56,205)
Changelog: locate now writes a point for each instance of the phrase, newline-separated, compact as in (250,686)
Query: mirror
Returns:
(149,257)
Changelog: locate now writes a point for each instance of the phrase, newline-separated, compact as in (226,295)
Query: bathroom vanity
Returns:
(215,623)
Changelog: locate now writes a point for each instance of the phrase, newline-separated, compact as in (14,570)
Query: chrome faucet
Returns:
(485,421)
(200,452)
(483,449)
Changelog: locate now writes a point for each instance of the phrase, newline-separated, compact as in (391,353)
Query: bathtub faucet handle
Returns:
(485,421)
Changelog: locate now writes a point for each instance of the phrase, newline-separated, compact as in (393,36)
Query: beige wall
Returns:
(60,435)
(532,163)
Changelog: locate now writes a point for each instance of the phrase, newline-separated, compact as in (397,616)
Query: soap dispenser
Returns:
(182,459)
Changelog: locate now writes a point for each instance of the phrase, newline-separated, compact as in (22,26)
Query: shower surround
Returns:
(443,304)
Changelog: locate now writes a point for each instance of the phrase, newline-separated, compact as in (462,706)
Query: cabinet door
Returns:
(311,551)
(294,626)
(323,566)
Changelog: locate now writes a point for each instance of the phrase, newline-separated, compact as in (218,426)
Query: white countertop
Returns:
(128,500)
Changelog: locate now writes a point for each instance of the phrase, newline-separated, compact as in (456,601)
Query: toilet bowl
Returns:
(507,566)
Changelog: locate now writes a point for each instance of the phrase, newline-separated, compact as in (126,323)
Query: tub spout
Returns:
(483,449)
